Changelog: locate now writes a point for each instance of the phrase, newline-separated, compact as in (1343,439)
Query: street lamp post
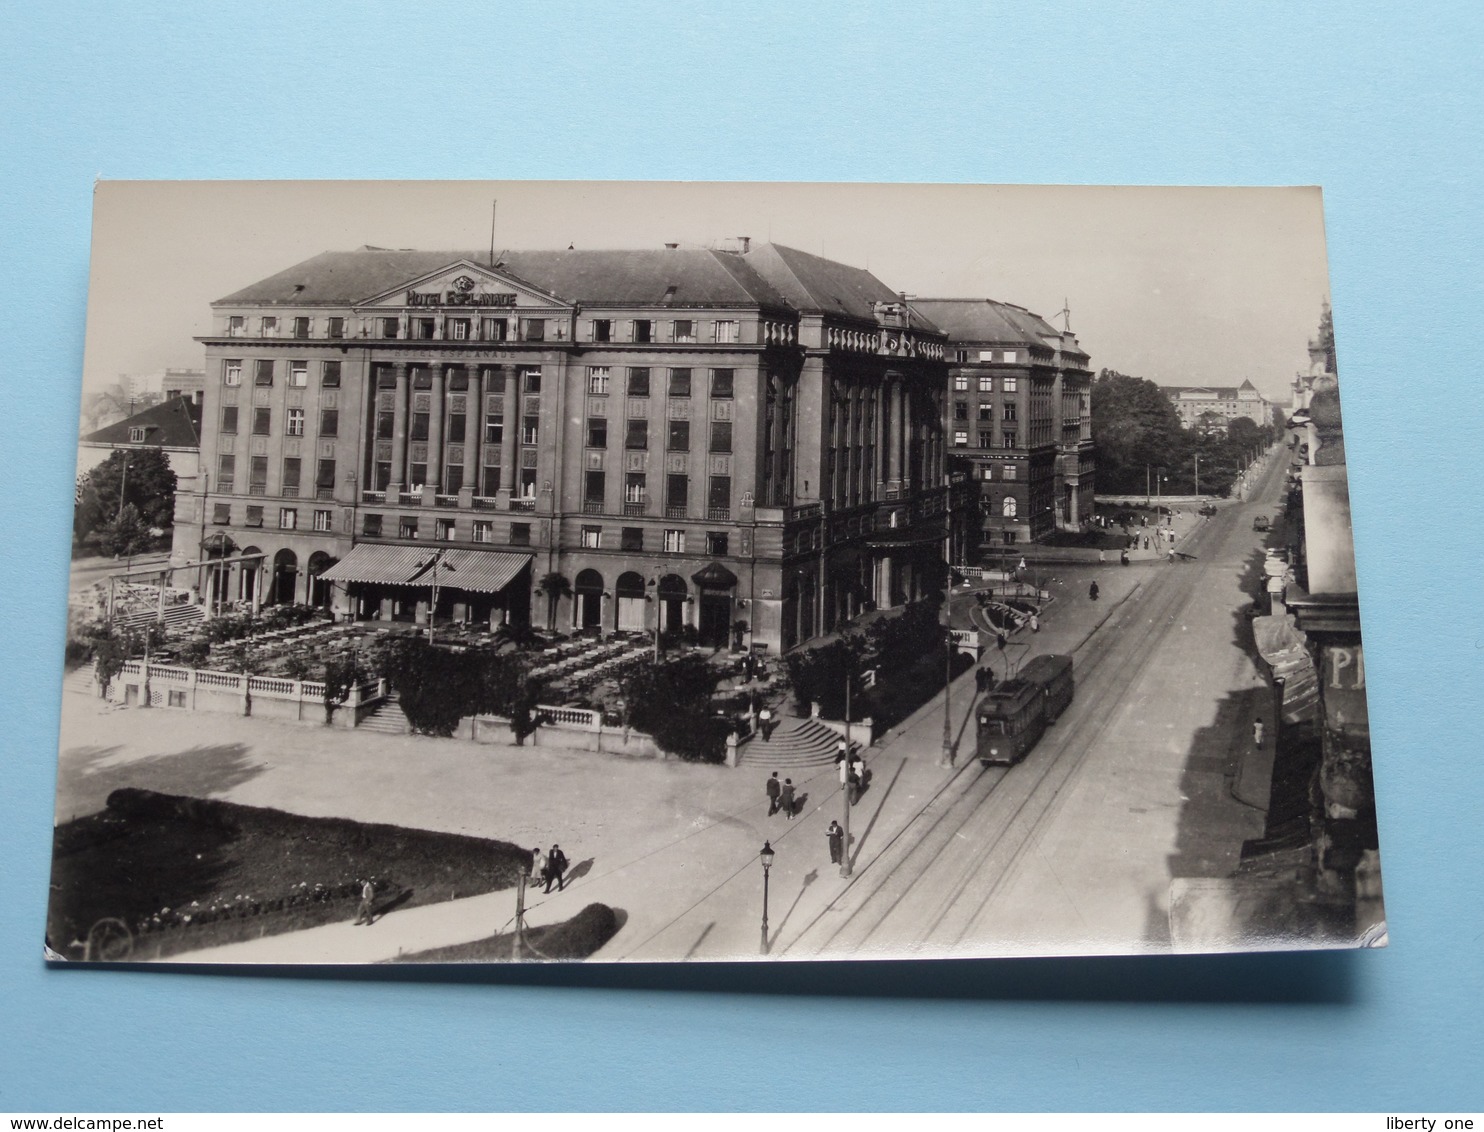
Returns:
(433,564)
(946,758)
(766,857)
(845,778)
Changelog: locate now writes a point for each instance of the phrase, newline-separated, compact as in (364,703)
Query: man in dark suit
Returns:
(556,865)
(774,788)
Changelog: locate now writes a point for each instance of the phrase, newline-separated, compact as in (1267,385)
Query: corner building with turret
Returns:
(749,441)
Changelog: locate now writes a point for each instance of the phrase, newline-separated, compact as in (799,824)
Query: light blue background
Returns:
(1378,103)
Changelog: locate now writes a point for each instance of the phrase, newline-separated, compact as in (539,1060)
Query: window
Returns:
(422,328)
(674,542)
(1007,507)
(986,472)
(301,328)
(631,538)
(254,516)
(226,467)
(330,376)
(324,520)
(637,435)
(1009,384)
(263,372)
(986,383)
(445,530)
(324,480)
(389,328)
(679,436)
(329,422)
(680,383)
(597,379)
(638,383)
(1009,414)
(453,479)
(491,482)
(493,329)
(520,534)
(288,518)
(685,330)
(232,371)
(960,410)
(1008,438)
(726,330)
(290,476)
(528,483)
(719,497)
(494,428)
(961,437)
(602,330)
(722,381)
(407,527)
(295,423)
(257,475)
(1011,356)
(530,380)
(634,484)
(456,329)
(533,329)
(371,526)
(986,411)
(961,382)
(335,328)
(530,428)
(721,436)
(236,326)
(484,530)
(677,493)
(262,419)
(643,330)
(594,488)
(716,543)
(1009,472)
(454,428)
(419,429)
(986,439)
(592,538)
(268,327)
(986,355)
(597,432)
(229,419)
(386,424)
(221,514)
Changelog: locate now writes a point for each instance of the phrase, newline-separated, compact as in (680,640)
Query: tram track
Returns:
(1001,811)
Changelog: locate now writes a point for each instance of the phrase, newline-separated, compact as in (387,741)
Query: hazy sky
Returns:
(1184,286)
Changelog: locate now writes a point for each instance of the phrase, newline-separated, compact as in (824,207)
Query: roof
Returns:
(481,571)
(175,423)
(1219,392)
(815,284)
(987,320)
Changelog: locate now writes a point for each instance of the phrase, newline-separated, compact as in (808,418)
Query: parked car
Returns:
(1260,523)
(1208,509)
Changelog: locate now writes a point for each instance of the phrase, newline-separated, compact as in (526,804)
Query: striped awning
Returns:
(478,571)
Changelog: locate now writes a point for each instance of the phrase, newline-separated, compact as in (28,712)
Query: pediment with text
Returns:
(465,285)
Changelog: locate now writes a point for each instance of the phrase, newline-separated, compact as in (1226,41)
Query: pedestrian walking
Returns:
(1171,556)
(1146,542)
(774,789)
(836,837)
(1020,569)
(1257,732)
(556,867)
(538,866)
(1100,557)
(765,721)
(1123,558)
(1092,591)
(368,897)
(786,797)
(1035,623)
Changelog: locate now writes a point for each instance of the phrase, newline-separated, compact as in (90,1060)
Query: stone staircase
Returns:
(794,743)
(388,719)
(80,680)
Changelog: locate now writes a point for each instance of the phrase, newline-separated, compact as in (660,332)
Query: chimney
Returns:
(672,247)
(744,244)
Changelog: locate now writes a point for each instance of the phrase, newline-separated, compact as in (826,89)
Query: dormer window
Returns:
(136,436)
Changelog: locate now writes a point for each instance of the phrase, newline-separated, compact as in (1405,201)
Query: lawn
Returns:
(187,873)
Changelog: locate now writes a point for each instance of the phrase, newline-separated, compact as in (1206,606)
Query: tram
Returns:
(1013,714)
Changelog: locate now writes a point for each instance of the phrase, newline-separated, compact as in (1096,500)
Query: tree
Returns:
(1136,427)
(141,477)
(554,585)
(672,703)
(125,536)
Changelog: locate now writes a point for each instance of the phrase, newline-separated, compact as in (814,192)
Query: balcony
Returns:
(445,501)
(676,511)
(592,507)
(718,513)
(639,508)
(522,505)
(410,498)
(373,497)
(484,502)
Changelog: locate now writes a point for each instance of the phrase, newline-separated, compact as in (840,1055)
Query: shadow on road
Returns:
(86,777)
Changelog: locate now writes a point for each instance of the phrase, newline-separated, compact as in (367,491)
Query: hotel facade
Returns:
(746,441)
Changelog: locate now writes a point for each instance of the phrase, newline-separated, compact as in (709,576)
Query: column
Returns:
(474,437)
(399,433)
(511,439)
(435,430)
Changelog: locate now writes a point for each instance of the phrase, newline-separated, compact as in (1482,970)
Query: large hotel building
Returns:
(690,436)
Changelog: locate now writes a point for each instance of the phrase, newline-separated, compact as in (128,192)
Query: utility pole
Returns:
(516,945)
(845,777)
(1197,473)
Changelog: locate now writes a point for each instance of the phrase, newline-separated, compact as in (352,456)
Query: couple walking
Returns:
(781,796)
(548,867)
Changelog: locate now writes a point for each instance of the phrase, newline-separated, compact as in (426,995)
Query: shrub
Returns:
(672,703)
(578,937)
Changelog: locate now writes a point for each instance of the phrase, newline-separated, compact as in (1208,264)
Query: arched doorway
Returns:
(249,577)
(321,593)
(285,578)
(714,618)
(633,609)
(672,594)
(589,591)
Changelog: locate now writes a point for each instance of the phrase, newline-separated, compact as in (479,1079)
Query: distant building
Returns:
(173,426)
(1227,402)
(1019,415)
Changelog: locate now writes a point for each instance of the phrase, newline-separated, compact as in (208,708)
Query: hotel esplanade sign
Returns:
(461,294)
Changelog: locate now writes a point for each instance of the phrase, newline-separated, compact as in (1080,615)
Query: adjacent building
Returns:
(173,427)
(1019,415)
(1225,402)
(746,441)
